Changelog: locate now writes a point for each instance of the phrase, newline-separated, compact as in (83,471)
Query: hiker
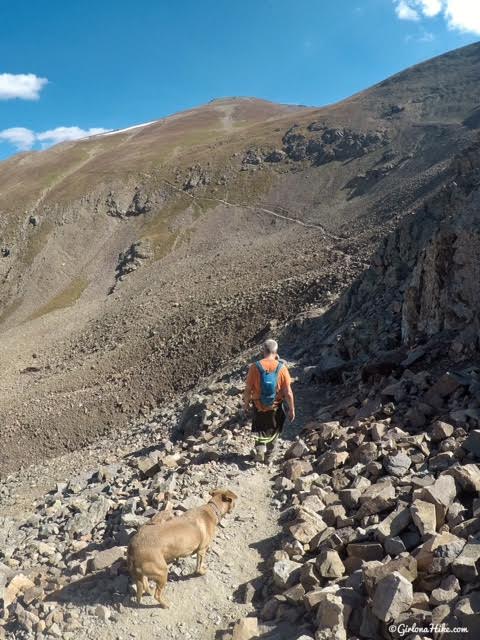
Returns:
(268,385)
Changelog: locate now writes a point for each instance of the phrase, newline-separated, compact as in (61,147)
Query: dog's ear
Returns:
(228,496)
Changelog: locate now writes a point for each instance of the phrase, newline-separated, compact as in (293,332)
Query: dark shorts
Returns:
(268,423)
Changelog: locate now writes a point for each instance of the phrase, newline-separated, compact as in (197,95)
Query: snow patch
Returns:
(136,126)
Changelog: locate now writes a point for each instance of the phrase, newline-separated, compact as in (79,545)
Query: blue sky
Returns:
(69,68)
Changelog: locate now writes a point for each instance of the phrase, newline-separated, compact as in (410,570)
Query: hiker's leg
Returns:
(279,419)
(272,449)
(259,449)
(264,428)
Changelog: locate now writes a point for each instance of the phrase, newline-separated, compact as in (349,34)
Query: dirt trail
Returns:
(203,606)
(257,209)
(227,118)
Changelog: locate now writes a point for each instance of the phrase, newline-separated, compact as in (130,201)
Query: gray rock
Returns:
(283,572)
(330,618)
(107,557)
(85,521)
(466,566)
(329,564)
(424,517)
(394,523)
(297,450)
(103,613)
(472,443)
(467,610)
(394,546)
(442,596)
(393,596)
(397,465)
(441,431)
(366,550)
(467,476)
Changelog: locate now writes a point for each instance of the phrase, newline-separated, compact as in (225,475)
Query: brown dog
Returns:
(155,545)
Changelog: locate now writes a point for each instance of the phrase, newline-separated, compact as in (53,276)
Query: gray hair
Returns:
(270,346)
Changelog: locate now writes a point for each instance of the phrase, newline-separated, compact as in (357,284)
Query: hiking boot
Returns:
(271,453)
(259,453)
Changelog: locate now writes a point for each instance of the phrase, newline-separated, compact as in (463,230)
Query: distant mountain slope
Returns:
(134,262)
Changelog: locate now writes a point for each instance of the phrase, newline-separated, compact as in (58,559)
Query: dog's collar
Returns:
(216,510)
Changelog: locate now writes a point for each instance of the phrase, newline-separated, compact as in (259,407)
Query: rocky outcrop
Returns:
(362,183)
(321,144)
(124,204)
(423,281)
(317,144)
(393,110)
(252,157)
(197,176)
(131,259)
(444,290)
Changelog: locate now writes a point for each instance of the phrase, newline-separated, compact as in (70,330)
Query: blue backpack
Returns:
(268,383)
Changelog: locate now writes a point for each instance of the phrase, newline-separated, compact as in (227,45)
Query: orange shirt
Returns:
(254,383)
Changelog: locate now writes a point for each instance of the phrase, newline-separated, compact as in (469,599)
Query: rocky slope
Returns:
(365,526)
(62,571)
(135,263)
(368,525)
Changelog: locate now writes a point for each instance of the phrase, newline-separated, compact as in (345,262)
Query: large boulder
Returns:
(393,596)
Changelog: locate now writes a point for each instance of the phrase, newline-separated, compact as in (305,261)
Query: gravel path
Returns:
(203,606)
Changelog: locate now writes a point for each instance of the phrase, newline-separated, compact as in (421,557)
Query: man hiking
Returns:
(268,385)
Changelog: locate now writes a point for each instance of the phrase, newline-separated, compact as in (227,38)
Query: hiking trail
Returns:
(202,607)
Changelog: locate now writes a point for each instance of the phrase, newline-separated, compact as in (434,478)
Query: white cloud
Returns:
(61,134)
(425,36)
(25,139)
(405,12)
(21,138)
(26,86)
(460,15)
(463,15)
(430,8)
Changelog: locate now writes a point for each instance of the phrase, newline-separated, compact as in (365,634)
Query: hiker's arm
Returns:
(291,403)
(247,395)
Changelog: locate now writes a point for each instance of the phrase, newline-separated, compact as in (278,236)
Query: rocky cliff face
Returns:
(423,280)
(444,290)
